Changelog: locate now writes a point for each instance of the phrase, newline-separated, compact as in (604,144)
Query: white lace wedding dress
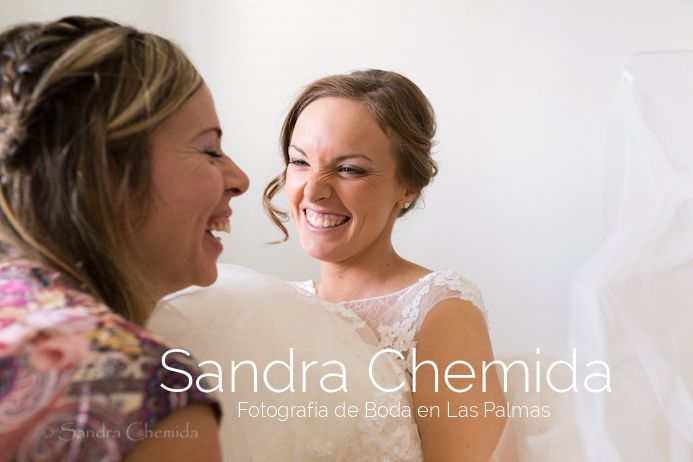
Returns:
(255,317)
(395,318)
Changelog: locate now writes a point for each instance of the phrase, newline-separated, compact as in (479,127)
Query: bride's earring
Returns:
(406,205)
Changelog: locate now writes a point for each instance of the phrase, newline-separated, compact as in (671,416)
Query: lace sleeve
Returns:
(446,285)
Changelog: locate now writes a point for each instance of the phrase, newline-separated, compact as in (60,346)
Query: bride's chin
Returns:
(321,254)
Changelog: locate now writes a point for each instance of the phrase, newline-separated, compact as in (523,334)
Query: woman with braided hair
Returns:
(110,158)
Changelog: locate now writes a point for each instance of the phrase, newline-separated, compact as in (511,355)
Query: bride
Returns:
(357,149)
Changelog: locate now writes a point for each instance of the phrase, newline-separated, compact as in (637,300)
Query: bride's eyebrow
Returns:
(298,149)
(353,156)
(338,158)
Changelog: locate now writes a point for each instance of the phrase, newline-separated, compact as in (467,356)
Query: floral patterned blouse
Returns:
(77,381)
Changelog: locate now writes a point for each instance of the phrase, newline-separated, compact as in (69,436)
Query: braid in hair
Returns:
(14,80)
(26,53)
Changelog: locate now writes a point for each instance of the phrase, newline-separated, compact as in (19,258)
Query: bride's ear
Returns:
(408,199)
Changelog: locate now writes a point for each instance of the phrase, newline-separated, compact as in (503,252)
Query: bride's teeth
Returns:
(319,222)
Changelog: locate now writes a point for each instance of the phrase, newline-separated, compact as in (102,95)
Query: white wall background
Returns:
(521,88)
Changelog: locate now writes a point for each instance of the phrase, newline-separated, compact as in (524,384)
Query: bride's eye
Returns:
(351,170)
(298,162)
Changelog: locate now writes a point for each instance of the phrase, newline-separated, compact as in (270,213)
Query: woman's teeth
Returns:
(224,227)
(323,220)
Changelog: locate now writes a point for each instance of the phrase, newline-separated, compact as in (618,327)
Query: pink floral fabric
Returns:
(78,382)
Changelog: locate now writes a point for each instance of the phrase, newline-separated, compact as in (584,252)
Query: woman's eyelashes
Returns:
(298,163)
(213,153)
(344,170)
(351,170)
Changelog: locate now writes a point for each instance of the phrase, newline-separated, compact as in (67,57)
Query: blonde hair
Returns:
(79,99)
(399,107)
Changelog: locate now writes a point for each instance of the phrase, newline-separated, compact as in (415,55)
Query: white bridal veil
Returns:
(633,300)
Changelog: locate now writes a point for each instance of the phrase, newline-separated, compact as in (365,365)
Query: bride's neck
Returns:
(364,277)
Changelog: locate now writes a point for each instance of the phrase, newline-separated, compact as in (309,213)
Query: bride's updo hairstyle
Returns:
(79,99)
(400,108)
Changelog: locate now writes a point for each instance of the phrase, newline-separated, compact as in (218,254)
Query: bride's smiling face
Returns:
(341,181)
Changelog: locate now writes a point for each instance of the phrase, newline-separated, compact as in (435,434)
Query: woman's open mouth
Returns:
(324,220)
(218,224)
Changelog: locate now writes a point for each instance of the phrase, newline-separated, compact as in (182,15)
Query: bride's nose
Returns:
(317,187)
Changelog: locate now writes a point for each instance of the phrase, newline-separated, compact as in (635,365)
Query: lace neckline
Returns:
(310,286)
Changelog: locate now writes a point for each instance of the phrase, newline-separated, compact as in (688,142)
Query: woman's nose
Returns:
(236,181)
(317,188)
